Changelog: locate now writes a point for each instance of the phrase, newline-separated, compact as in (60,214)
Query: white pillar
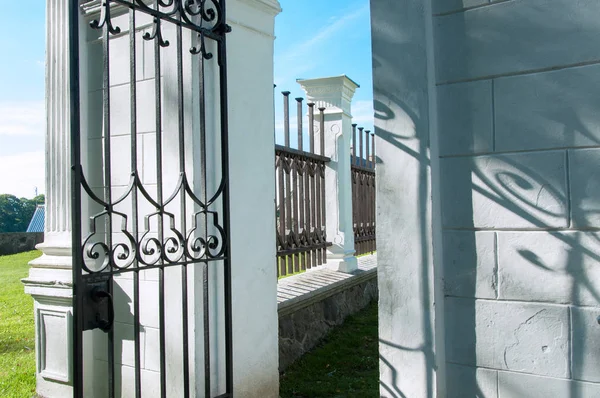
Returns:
(49,280)
(335,94)
(252,191)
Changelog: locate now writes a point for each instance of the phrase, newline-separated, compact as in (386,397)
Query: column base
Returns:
(342,263)
(50,285)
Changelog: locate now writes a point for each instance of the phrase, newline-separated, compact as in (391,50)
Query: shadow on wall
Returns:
(518,188)
(402,126)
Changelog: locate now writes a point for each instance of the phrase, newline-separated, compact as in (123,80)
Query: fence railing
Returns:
(363,190)
(300,180)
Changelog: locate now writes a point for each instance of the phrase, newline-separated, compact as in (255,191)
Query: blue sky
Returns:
(315,39)
(319,39)
(22,32)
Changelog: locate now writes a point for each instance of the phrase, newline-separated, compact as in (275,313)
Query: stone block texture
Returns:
(465,118)
(515,37)
(519,179)
(18,242)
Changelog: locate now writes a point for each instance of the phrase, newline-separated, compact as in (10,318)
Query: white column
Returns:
(252,189)
(335,94)
(49,280)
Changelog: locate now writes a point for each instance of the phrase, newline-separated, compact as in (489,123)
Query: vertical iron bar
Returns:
(372,148)
(160,210)
(367,153)
(300,135)
(184,282)
(372,199)
(323,212)
(371,160)
(74,124)
(288,201)
(358,215)
(204,183)
(354,143)
(310,189)
(367,203)
(311,126)
(367,206)
(323,229)
(108,188)
(301,166)
(134,200)
(282,213)
(288,205)
(363,210)
(354,203)
(360,149)
(306,227)
(295,197)
(357,228)
(225,167)
(317,222)
(322,131)
(286,117)
(312,184)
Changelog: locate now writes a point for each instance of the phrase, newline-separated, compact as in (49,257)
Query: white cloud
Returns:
(295,60)
(27,171)
(22,118)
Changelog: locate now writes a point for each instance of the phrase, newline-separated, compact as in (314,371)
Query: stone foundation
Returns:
(18,242)
(305,320)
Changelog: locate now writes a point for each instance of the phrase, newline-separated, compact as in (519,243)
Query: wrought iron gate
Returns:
(148,89)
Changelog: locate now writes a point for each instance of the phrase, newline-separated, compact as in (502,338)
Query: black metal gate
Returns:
(148,89)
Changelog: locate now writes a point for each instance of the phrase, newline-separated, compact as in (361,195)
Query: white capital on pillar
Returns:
(335,95)
(50,276)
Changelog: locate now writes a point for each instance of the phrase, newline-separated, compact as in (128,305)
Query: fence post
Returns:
(335,95)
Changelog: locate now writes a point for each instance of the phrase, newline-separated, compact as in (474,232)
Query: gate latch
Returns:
(98,306)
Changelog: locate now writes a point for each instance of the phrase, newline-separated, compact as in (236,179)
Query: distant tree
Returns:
(16,213)
(39,200)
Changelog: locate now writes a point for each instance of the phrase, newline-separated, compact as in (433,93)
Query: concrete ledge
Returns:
(311,304)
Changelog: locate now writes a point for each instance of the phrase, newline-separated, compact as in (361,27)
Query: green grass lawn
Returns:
(17,348)
(345,364)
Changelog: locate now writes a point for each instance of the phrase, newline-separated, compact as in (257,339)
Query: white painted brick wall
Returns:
(519,144)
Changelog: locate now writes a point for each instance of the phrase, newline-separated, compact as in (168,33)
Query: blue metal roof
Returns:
(37,221)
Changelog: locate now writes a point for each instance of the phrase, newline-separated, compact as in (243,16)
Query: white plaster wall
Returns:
(408,315)
(518,131)
(495,103)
